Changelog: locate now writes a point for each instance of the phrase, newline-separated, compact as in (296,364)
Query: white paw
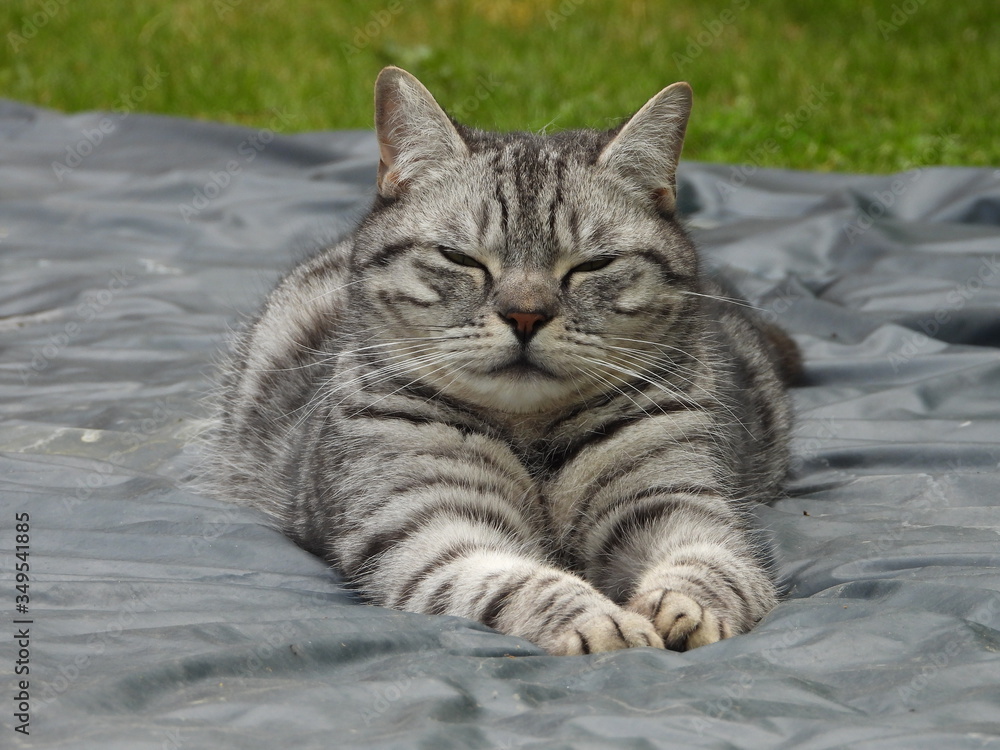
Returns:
(608,632)
(681,621)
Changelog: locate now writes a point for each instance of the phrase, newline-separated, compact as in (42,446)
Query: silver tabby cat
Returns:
(511,395)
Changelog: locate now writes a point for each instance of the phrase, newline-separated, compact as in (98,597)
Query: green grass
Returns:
(868,87)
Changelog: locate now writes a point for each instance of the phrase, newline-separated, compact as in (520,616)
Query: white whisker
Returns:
(728,300)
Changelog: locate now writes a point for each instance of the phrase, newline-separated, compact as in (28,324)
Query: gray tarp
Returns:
(163,619)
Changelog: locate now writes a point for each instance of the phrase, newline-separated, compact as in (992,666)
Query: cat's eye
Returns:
(460,259)
(593,265)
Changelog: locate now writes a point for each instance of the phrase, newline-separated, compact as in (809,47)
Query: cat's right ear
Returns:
(413,132)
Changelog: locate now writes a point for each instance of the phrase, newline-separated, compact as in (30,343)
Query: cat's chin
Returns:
(516,390)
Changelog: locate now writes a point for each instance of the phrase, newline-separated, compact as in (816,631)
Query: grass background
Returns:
(839,85)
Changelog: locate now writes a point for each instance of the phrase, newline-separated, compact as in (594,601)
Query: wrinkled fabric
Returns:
(161,618)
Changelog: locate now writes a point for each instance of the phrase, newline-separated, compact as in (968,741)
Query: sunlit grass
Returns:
(840,85)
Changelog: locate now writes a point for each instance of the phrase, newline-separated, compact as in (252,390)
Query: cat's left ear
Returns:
(413,132)
(648,147)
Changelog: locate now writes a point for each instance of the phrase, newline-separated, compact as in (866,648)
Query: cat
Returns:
(513,395)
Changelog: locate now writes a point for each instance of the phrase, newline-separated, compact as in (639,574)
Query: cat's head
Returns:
(521,272)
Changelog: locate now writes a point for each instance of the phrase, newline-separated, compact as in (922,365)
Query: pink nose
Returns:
(525,323)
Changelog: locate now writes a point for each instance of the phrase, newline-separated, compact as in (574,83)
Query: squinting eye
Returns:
(460,259)
(593,265)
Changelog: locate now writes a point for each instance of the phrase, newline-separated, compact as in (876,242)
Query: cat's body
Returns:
(511,395)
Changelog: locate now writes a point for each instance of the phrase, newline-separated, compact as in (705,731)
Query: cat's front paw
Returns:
(608,632)
(679,620)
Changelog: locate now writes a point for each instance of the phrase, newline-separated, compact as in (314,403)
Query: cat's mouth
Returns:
(522,366)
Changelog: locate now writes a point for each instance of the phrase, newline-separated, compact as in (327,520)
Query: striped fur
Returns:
(511,394)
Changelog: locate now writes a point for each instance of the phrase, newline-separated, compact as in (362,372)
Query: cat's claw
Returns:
(609,632)
(681,621)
